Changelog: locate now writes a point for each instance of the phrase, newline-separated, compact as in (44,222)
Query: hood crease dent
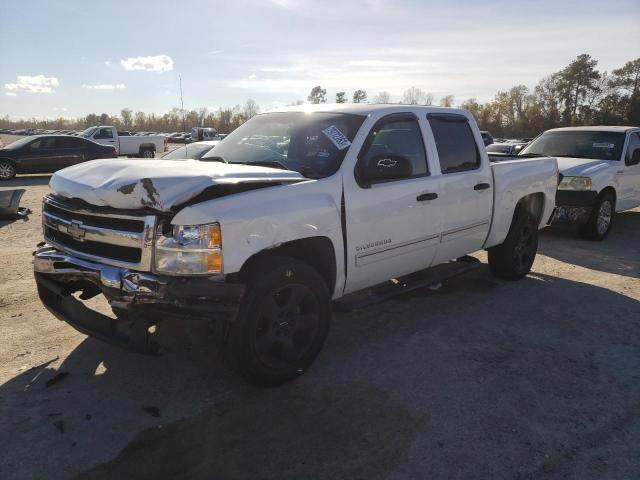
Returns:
(158,184)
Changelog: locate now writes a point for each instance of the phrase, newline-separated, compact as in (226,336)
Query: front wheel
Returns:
(7,170)
(513,259)
(283,321)
(601,218)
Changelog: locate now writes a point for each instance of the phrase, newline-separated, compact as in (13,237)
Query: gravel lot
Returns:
(482,379)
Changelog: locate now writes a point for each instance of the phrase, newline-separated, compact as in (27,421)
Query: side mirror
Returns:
(635,157)
(385,167)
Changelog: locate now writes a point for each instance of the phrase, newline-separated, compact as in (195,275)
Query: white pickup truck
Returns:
(292,210)
(133,146)
(600,168)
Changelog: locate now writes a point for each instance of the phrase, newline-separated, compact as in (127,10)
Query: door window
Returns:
(396,135)
(104,133)
(456,145)
(45,143)
(71,142)
(634,143)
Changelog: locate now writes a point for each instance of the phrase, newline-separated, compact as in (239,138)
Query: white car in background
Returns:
(600,169)
(194,151)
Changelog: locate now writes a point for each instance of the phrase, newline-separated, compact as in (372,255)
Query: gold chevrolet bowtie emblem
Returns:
(76,231)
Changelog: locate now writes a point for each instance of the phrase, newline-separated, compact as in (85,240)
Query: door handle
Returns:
(482,186)
(426,196)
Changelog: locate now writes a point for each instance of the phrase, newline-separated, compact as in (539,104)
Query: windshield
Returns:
(193,150)
(577,143)
(313,144)
(88,132)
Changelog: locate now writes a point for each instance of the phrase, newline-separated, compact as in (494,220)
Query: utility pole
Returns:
(184,126)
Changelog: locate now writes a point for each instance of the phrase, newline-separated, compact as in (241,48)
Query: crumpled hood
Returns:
(156,184)
(573,167)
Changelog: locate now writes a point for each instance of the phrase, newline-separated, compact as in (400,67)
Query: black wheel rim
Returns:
(525,249)
(288,322)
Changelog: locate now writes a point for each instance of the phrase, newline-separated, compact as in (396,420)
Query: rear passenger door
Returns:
(73,150)
(466,186)
(392,226)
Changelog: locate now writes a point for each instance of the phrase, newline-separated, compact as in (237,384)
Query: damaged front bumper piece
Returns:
(140,299)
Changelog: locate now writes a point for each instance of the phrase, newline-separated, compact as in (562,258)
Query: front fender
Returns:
(261,219)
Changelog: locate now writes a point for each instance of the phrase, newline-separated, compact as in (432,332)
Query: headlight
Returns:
(189,250)
(575,183)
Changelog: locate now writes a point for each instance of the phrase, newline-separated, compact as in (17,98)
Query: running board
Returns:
(357,301)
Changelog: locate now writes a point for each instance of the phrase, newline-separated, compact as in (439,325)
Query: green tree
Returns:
(359,96)
(576,81)
(341,97)
(317,95)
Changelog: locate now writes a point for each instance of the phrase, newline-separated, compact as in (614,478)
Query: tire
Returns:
(512,260)
(282,324)
(147,153)
(7,170)
(601,218)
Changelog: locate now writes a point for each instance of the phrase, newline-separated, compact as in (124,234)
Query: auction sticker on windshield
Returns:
(603,145)
(334,134)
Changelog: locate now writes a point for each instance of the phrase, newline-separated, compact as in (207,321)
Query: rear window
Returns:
(456,145)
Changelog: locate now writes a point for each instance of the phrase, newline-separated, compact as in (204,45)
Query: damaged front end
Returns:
(89,252)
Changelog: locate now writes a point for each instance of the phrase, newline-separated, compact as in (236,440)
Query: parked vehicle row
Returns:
(292,211)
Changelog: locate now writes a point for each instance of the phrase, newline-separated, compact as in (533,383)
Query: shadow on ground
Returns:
(619,253)
(511,380)
(26,181)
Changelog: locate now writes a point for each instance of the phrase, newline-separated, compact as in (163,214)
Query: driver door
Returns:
(392,224)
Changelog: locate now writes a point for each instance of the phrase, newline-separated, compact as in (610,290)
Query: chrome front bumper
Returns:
(120,285)
(139,299)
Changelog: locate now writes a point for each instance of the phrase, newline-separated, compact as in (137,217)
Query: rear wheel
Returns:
(601,218)
(7,170)
(147,153)
(514,258)
(282,324)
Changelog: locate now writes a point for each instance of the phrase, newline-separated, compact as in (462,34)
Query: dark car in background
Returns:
(48,153)
(487,138)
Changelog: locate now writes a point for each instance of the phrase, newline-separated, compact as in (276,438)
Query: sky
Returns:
(73,57)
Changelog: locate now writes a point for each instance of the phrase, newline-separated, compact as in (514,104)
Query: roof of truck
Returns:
(598,128)
(360,108)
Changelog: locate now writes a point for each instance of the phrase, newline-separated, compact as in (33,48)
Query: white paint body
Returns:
(388,232)
(616,174)
(129,145)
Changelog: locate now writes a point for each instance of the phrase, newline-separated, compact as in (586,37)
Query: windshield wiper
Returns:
(267,163)
(530,155)
(213,159)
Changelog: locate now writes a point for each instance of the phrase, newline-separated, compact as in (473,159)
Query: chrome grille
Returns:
(114,238)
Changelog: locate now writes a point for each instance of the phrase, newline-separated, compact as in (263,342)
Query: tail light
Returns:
(166,143)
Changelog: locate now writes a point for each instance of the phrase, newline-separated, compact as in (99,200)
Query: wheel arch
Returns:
(534,203)
(317,252)
(609,189)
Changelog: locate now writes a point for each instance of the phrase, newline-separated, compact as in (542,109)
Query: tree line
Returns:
(578,94)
